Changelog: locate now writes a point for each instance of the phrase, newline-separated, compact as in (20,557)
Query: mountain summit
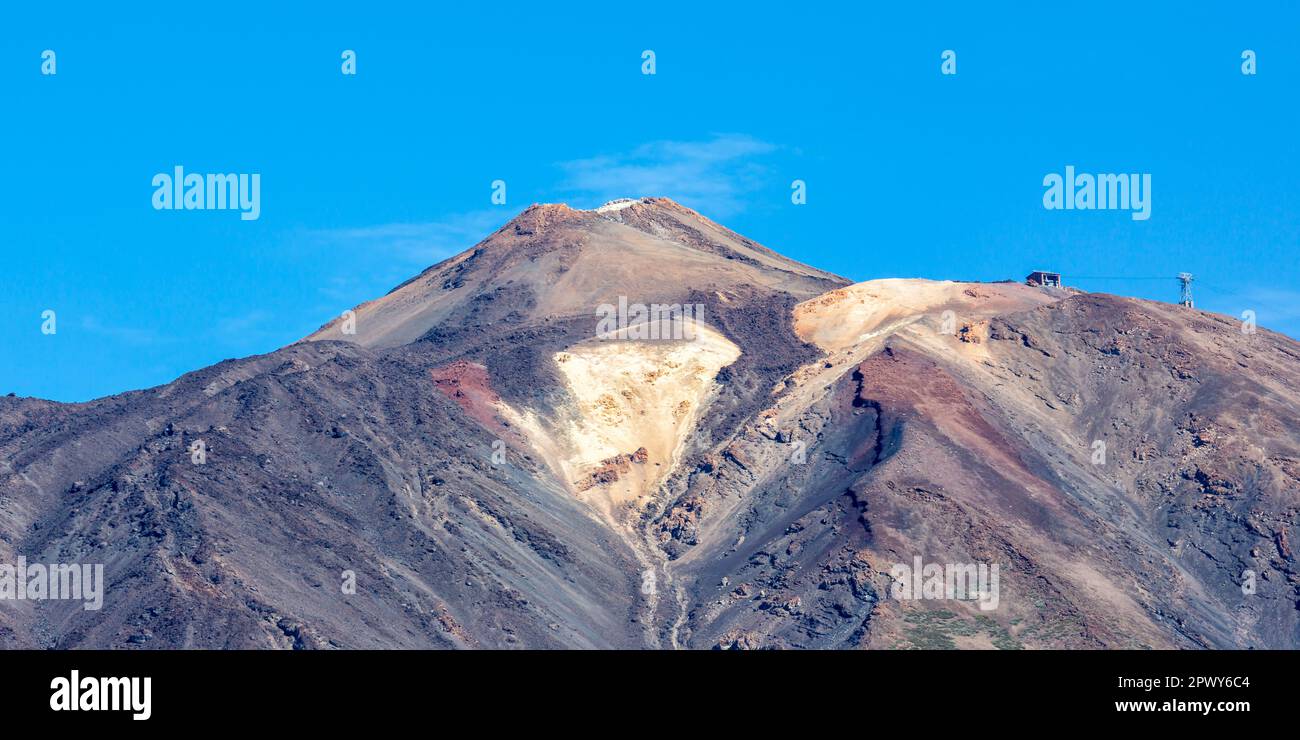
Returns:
(473,461)
(553,262)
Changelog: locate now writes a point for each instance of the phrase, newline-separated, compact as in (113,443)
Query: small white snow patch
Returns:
(616,205)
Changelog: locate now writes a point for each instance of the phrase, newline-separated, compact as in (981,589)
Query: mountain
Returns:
(505,452)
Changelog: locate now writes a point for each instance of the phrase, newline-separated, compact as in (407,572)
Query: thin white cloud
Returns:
(126,334)
(363,262)
(420,244)
(248,331)
(1275,308)
(712,176)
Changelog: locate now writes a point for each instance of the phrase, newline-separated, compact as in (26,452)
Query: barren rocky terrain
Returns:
(491,473)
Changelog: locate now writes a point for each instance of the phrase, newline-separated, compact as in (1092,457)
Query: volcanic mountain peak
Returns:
(495,470)
(554,262)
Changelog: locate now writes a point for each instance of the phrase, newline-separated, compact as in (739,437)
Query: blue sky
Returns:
(367,179)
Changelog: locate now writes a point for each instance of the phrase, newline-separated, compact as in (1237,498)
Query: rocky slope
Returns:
(491,468)
(980,445)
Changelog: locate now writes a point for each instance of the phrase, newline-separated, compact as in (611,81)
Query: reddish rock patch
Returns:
(611,468)
(466,383)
